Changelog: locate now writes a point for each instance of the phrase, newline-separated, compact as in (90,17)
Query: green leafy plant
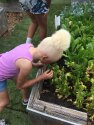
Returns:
(76,77)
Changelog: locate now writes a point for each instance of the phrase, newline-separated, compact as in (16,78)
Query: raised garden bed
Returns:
(50,113)
(73,80)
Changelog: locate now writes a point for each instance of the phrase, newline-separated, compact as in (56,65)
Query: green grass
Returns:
(5,1)
(15,113)
(61,1)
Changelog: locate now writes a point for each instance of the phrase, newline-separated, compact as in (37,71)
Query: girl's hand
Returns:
(48,74)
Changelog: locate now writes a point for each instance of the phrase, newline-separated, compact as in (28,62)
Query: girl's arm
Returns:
(22,76)
(45,75)
(25,68)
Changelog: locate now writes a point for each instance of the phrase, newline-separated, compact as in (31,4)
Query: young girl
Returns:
(38,11)
(17,63)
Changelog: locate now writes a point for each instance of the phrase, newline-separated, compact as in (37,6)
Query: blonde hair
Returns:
(55,45)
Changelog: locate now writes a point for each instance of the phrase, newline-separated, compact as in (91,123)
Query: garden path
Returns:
(11,7)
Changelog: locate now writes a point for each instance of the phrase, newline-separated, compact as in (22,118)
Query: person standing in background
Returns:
(38,12)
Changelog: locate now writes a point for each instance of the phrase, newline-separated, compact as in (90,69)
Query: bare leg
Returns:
(42,23)
(4,99)
(33,26)
(25,94)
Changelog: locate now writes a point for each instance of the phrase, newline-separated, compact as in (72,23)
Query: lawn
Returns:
(15,113)
(4,1)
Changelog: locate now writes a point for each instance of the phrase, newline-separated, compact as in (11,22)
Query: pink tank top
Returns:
(8,67)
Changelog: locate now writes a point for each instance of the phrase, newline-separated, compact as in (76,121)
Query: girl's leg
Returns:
(4,99)
(42,23)
(32,27)
(25,94)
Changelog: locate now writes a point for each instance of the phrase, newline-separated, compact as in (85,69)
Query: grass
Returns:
(15,113)
(5,1)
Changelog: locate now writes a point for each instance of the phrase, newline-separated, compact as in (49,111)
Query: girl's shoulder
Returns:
(23,63)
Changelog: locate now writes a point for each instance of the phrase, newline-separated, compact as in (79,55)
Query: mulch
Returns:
(13,18)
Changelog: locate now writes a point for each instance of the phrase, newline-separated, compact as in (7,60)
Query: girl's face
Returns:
(45,60)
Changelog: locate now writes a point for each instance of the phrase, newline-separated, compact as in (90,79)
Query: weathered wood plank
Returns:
(49,107)
(35,93)
(3,22)
(38,119)
(61,112)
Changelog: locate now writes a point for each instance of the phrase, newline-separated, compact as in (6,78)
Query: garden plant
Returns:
(74,79)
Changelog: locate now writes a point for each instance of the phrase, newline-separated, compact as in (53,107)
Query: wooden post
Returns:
(3,22)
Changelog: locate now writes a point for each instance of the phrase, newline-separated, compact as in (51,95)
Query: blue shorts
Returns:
(34,6)
(3,85)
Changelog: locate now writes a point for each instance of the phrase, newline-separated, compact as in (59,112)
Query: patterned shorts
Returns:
(34,6)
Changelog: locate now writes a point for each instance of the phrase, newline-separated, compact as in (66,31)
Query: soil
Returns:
(48,94)
(13,18)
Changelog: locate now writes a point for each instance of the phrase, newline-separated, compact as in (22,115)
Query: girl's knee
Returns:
(4,103)
(34,22)
(42,24)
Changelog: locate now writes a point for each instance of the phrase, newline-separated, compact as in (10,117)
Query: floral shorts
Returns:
(34,6)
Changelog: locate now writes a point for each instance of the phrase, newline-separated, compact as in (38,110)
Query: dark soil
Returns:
(48,94)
